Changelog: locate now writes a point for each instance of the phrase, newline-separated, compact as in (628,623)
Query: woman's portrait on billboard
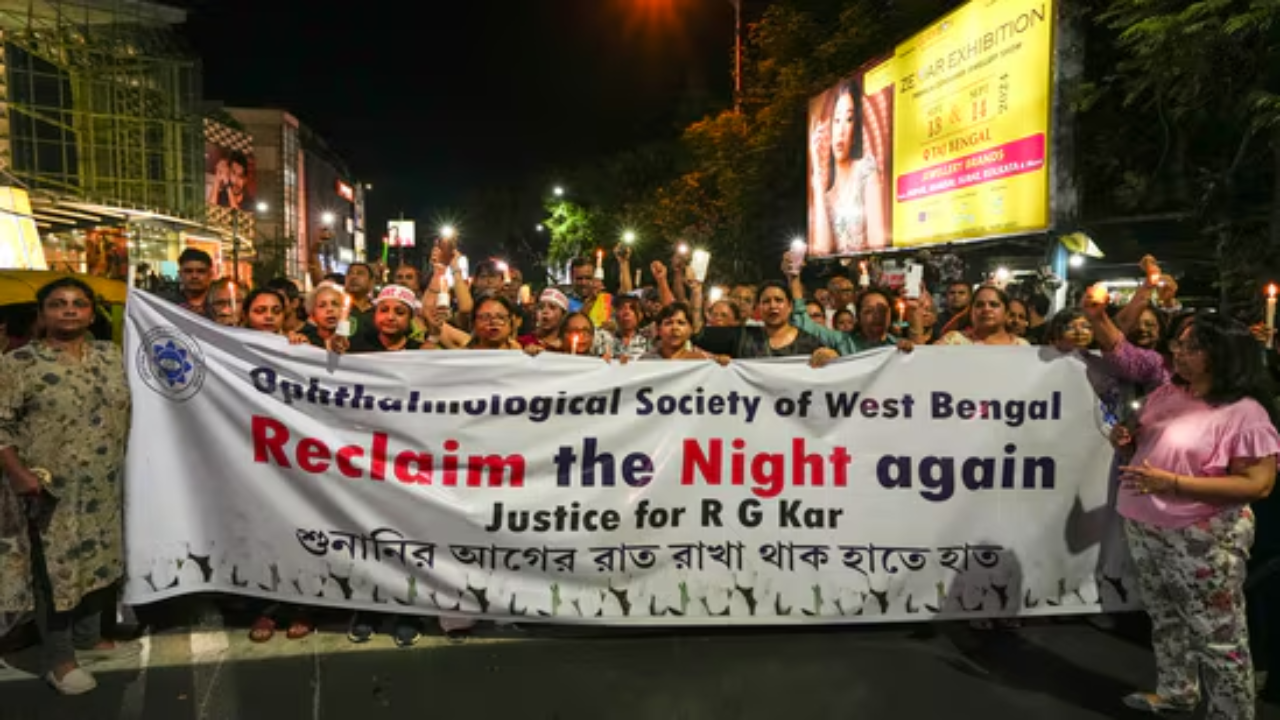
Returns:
(847,209)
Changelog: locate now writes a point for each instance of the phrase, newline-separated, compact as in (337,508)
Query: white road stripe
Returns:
(214,690)
(315,676)
(134,702)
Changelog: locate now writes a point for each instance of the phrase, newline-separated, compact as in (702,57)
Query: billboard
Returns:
(400,233)
(945,141)
(230,180)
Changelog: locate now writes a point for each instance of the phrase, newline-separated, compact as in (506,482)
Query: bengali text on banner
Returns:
(949,482)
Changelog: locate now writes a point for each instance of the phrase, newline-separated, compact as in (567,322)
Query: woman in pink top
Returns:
(1204,447)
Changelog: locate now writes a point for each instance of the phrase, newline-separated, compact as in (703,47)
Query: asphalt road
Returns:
(203,671)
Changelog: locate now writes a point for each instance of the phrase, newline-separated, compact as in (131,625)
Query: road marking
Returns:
(133,703)
(215,691)
(315,678)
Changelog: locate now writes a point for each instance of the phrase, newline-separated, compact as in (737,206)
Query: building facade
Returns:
(280,237)
(331,202)
(310,200)
(100,122)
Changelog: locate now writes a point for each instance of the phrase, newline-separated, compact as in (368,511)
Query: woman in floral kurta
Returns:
(64,407)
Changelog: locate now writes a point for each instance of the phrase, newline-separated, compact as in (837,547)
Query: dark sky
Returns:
(434,101)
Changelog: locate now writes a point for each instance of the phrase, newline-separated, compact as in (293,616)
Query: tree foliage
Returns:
(1178,115)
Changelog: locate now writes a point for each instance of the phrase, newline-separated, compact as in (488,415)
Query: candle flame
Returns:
(1271,290)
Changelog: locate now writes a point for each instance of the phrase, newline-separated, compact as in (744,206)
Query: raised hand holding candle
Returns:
(864,278)
(1151,268)
(506,272)
(700,264)
(798,250)
(1271,313)
(344,320)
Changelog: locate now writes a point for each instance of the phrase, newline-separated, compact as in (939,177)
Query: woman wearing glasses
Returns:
(1204,447)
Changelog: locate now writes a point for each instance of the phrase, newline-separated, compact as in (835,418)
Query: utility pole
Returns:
(235,245)
(737,55)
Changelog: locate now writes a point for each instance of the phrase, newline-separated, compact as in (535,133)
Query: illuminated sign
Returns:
(345,191)
(945,141)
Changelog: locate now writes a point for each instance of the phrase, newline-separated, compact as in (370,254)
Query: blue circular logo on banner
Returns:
(170,363)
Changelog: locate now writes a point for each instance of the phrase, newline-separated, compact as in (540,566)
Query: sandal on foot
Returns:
(1154,704)
(300,628)
(76,682)
(262,630)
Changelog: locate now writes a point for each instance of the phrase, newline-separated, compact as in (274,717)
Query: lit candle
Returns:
(1099,295)
(526,295)
(344,320)
(683,249)
(231,286)
(506,272)
(902,311)
(442,298)
(573,344)
(864,279)
(1153,279)
(637,283)
(1271,312)
(599,274)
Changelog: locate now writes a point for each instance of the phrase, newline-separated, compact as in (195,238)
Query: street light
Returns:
(327,218)
(448,232)
(235,240)
(263,206)
(539,227)
(628,237)
(559,191)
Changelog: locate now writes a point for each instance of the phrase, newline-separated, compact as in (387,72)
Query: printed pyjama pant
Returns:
(1192,583)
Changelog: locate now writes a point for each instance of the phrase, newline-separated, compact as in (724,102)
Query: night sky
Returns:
(435,102)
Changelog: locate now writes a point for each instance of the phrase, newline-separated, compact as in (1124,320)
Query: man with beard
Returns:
(195,273)
(587,296)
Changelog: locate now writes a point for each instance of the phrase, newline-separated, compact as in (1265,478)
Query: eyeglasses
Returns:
(498,319)
(1184,348)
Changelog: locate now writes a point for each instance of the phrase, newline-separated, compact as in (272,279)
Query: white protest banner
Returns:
(949,482)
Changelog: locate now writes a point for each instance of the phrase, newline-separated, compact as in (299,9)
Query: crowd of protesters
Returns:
(1196,428)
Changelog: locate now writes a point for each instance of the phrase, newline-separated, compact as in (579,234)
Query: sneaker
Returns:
(76,682)
(1156,705)
(361,629)
(406,633)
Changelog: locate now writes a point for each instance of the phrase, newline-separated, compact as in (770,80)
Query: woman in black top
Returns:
(777,337)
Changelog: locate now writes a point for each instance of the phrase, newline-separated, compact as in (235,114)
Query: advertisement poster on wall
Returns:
(945,141)
(230,178)
(400,233)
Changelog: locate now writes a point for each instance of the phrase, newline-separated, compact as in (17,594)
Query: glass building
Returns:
(101,122)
